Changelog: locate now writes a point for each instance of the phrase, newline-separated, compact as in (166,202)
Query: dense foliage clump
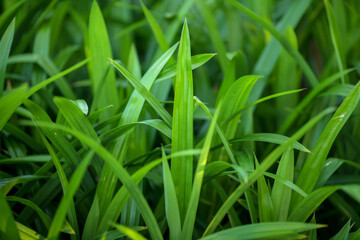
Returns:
(187,119)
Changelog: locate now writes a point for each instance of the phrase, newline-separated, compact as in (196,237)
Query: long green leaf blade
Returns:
(182,125)
(5,45)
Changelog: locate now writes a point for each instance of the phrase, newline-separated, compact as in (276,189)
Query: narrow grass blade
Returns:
(284,42)
(9,102)
(130,233)
(355,235)
(171,203)
(5,45)
(344,232)
(64,184)
(312,168)
(119,171)
(214,34)
(60,142)
(43,216)
(335,38)
(287,183)
(5,16)
(266,163)
(330,166)
(27,233)
(353,190)
(100,51)
(289,77)
(160,38)
(65,202)
(233,216)
(234,100)
(265,204)
(270,138)
(182,125)
(27,159)
(263,231)
(144,92)
(309,98)
(260,101)
(196,62)
(338,90)
(266,62)
(8,228)
(114,209)
(281,194)
(189,222)
(39,86)
(115,133)
(309,204)
(75,117)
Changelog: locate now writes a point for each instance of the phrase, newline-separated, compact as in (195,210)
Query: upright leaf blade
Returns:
(182,131)
(198,179)
(171,203)
(312,168)
(5,45)
(8,228)
(100,51)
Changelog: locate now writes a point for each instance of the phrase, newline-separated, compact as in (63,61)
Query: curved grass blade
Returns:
(132,234)
(113,211)
(270,138)
(266,164)
(235,99)
(27,233)
(115,133)
(5,15)
(69,193)
(263,231)
(26,159)
(338,90)
(43,216)
(287,183)
(64,184)
(171,203)
(5,45)
(119,171)
(269,56)
(355,235)
(196,62)
(309,204)
(156,29)
(215,36)
(343,233)
(8,229)
(233,160)
(284,42)
(330,166)
(308,99)
(189,222)
(75,117)
(145,93)
(260,101)
(312,168)
(9,102)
